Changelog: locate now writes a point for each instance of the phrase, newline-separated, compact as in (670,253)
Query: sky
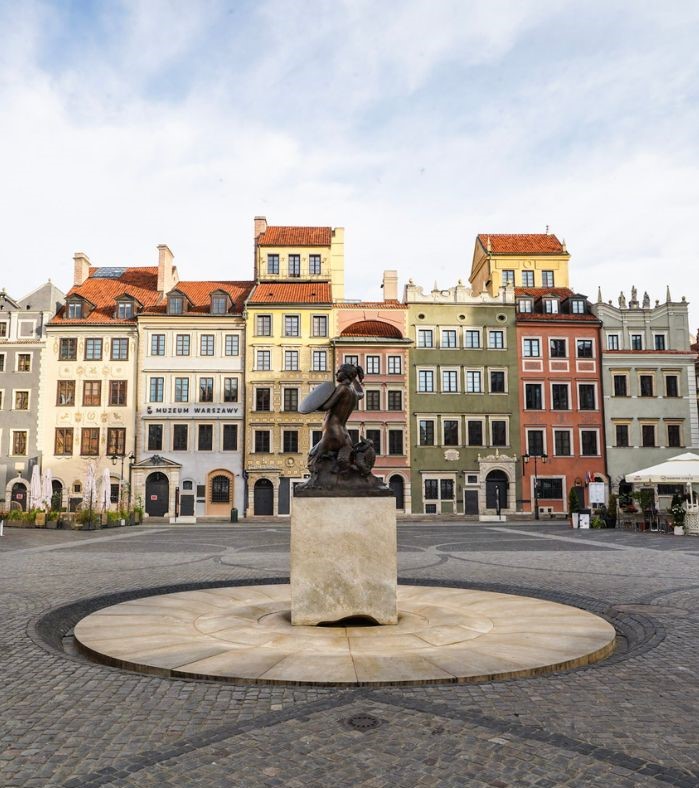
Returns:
(414,124)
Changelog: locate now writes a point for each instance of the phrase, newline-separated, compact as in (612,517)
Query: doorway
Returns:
(496,485)
(397,486)
(157,494)
(263,497)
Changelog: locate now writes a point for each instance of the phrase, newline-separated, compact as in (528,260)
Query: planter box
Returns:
(678,530)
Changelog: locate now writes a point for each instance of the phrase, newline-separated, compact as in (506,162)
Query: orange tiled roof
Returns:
(140,282)
(545,317)
(199,295)
(391,303)
(372,328)
(539,292)
(295,236)
(291,293)
(521,243)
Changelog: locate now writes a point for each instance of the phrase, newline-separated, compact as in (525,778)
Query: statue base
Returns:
(343,559)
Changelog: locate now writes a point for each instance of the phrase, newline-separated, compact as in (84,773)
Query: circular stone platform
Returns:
(443,634)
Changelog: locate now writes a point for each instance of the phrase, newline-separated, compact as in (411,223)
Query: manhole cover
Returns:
(363,722)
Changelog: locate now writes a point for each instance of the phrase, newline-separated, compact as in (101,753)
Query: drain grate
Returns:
(363,722)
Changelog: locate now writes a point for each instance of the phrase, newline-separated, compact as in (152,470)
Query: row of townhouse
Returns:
(495,396)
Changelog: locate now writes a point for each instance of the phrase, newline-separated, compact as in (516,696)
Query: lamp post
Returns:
(525,459)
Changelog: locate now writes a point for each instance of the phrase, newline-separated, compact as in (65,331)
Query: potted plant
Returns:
(612,511)
(678,513)
(85,520)
(52,519)
(39,518)
(597,522)
(138,510)
(573,507)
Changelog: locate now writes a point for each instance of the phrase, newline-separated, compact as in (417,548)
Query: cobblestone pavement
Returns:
(629,721)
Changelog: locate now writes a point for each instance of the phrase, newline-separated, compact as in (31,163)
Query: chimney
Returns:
(81,268)
(390,285)
(260,226)
(166,277)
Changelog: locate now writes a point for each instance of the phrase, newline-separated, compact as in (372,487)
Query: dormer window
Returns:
(524,305)
(219,304)
(175,305)
(577,306)
(551,306)
(74,310)
(124,310)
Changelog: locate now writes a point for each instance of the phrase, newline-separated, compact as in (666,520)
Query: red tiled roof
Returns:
(291,293)
(546,317)
(372,328)
(524,243)
(140,282)
(295,236)
(539,292)
(199,295)
(390,304)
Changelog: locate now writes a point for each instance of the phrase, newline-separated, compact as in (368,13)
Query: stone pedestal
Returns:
(343,559)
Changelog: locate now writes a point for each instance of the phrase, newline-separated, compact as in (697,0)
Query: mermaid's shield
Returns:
(317,398)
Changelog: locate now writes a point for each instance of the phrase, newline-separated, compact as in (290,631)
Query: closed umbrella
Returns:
(90,487)
(35,489)
(47,488)
(106,496)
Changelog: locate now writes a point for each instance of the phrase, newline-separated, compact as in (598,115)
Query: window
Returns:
(116,441)
(648,435)
(528,279)
(314,264)
(124,310)
(448,338)
(182,345)
(3,329)
(219,304)
(395,366)
(533,399)
(559,396)
(93,350)
(19,442)
(67,349)
(535,442)
(179,437)
(636,341)
(175,305)
(620,386)
(395,442)
(508,277)
(498,432)
(117,393)
(646,384)
(75,310)
(472,338)
(290,441)
(157,345)
(497,381)
(531,348)
(181,389)
(431,489)
(550,306)
(205,440)
(206,389)
(551,489)
(373,365)
(588,443)
(612,341)
(263,399)
(426,430)
(206,345)
(320,361)
(395,400)
(584,348)
(587,398)
(547,279)
(262,442)
(425,380)
(272,263)
(120,349)
(475,433)
(558,348)
(674,438)
(577,306)
(372,400)
(263,326)
(622,434)
(375,437)
(525,305)
(220,489)
(496,340)
(155,437)
(230,389)
(659,341)
(157,386)
(89,441)
(292,326)
(294,265)
(65,393)
(473,382)
(230,437)
(351,360)
(92,393)
(449,381)
(561,443)
(319,325)
(291,360)
(446,489)
(672,387)
(291,399)
(232,345)
(450,432)
(263,360)
(424,337)
(63,444)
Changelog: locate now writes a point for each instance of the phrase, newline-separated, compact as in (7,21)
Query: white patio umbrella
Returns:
(47,488)
(681,469)
(35,489)
(90,486)
(106,495)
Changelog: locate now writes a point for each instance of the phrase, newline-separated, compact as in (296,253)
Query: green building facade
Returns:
(464,405)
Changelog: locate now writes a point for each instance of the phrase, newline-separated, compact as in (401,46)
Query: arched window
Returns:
(220,489)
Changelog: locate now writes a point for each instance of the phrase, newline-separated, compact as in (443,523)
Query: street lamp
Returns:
(525,459)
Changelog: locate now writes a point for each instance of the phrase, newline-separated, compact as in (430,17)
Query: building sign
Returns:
(205,412)
(596,492)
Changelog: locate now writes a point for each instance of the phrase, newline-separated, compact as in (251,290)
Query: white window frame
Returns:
(525,340)
(375,360)
(617,340)
(392,360)
(507,383)
(292,316)
(453,330)
(459,431)
(498,417)
(435,436)
(592,383)
(570,398)
(10,448)
(453,372)
(484,431)
(319,368)
(568,430)
(503,334)
(428,329)
(527,430)
(432,371)
(259,368)
(473,370)
(528,284)
(29,400)
(599,447)
(473,330)
(298,359)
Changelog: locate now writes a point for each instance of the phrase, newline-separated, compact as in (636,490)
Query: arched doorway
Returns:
(397,486)
(219,494)
(18,497)
(496,486)
(56,495)
(263,497)
(157,494)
